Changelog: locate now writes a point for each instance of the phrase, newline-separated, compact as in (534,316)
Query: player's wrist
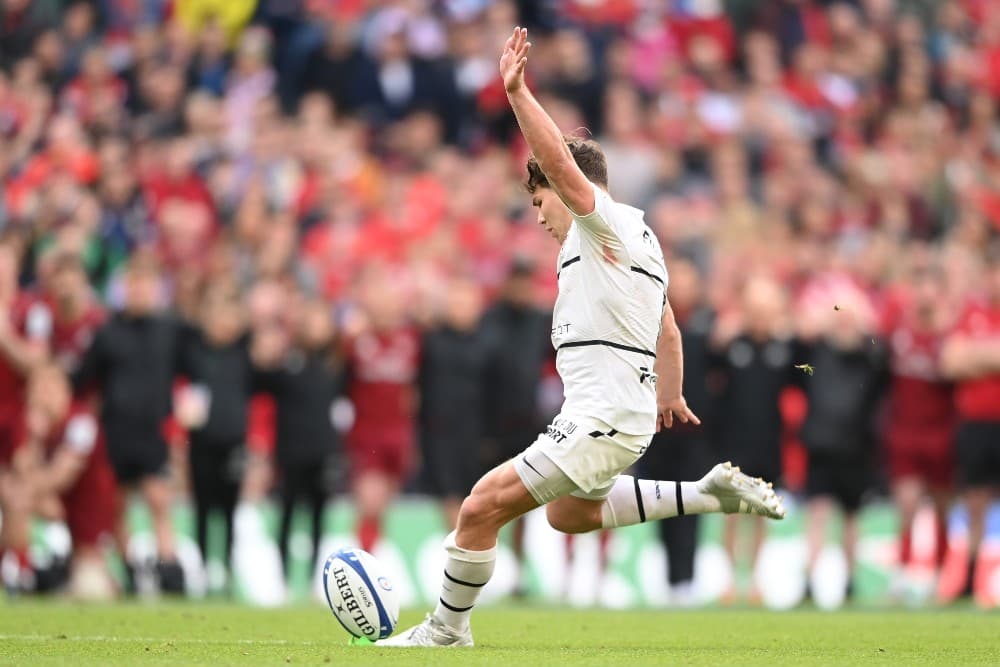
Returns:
(670,395)
(516,90)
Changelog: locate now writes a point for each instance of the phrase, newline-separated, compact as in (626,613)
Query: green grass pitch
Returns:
(54,633)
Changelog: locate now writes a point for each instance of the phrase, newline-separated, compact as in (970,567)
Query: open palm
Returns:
(514,58)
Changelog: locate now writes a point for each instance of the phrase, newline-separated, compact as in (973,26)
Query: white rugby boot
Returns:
(431,632)
(741,494)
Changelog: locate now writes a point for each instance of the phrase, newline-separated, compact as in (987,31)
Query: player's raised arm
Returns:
(540,131)
(669,367)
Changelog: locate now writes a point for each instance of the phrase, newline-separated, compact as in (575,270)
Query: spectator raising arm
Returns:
(541,132)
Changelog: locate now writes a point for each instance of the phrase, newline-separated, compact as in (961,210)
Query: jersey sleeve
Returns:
(603,224)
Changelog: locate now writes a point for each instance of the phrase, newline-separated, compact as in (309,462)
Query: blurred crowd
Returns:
(281,247)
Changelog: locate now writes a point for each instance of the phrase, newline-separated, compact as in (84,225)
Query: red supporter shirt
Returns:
(601,12)
(333,252)
(81,165)
(717,28)
(384,370)
(979,399)
(921,406)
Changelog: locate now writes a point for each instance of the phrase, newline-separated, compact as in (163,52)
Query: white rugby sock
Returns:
(633,501)
(465,574)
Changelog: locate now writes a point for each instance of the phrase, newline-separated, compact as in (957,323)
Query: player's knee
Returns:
(483,510)
(566,521)
(476,509)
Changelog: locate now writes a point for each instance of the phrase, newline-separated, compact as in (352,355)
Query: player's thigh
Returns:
(498,497)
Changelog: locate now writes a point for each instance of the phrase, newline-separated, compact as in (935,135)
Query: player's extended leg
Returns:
(631,501)
(496,499)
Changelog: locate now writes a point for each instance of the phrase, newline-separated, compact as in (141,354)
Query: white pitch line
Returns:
(154,640)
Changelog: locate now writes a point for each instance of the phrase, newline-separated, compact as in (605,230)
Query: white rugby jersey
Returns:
(607,316)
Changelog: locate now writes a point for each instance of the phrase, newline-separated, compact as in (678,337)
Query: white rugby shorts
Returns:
(578,456)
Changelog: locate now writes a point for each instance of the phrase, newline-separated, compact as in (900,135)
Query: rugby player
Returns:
(619,357)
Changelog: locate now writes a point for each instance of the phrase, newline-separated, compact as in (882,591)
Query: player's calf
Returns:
(573,515)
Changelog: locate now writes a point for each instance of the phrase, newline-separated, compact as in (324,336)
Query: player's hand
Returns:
(674,408)
(514,58)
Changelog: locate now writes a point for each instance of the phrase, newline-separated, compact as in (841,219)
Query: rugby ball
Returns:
(360,594)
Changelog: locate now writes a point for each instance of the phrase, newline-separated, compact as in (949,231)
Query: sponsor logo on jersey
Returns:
(560,429)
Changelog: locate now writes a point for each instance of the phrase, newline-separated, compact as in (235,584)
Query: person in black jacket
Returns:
(848,373)
(305,379)
(680,452)
(517,334)
(518,337)
(754,361)
(452,399)
(215,358)
(132,361)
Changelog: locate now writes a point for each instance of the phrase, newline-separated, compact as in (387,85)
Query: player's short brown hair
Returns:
(588,156)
